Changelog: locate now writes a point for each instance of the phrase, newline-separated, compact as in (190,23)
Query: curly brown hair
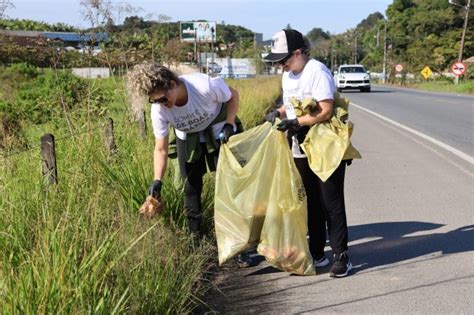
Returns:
(146,77)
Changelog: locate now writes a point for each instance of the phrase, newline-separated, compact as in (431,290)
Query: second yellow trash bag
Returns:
(328,143)
(260,199)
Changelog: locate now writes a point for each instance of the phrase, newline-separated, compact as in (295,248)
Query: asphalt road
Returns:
(410,213)
(445,117)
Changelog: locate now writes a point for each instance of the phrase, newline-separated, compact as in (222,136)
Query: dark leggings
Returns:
(325,206)
(192,174)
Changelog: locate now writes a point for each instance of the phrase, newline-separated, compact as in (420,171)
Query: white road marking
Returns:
(449,148)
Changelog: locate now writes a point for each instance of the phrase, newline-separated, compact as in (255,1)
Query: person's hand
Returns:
(286,124)
(154,189)
(271,116)
(226,132)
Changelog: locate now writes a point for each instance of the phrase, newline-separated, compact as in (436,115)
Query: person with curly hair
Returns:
(202,112)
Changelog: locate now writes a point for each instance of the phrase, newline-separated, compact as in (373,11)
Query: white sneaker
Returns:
(321,262)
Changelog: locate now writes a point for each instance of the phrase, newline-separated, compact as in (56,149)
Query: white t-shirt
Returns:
(205,98)
(315,81)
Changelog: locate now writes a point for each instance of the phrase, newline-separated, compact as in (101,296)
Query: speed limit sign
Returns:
(399,68)
(458,68)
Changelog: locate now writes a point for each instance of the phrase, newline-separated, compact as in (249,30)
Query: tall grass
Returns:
(256,97)
(81,247)
(464,87)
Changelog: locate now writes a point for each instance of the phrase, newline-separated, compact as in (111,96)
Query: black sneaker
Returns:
(244,260)
(341,266)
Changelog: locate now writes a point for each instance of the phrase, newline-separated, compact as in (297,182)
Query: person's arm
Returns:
(232,106)
(323,113)
(160,158)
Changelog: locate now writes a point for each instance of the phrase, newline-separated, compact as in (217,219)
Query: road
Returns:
(445,117)
(410,214)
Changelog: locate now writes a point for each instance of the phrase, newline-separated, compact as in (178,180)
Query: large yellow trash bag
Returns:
(328,143)
(260,199)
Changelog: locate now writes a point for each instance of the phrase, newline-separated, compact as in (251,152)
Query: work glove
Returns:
(154,189)
(286,124)
(271,116)
(226,132)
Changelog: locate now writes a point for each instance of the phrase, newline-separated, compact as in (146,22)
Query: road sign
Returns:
(203,32)
(458,68)
(399,68)
(426,72)
(188,33)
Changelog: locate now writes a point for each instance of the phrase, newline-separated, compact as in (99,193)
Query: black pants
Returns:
(325,206)
(192,174)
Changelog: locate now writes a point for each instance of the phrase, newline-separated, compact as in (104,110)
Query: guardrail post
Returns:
(48,159)
(109,137)
(142,123)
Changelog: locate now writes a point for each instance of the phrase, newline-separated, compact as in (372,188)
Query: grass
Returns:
(256,97)
(80,246)
(464,87)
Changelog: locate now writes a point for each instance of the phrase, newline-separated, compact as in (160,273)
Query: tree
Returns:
(4,6)
(317,34)
(97,12)
(320,44)
(425,32)
(370,22)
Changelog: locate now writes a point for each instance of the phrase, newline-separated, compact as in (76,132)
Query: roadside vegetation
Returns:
(80,246)
(464,87)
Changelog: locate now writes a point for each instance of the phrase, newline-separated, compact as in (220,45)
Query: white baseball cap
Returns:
(284,43)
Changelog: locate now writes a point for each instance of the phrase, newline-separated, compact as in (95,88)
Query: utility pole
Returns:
(466,18)
(378,31)
(463,36)
(385,54)
(213,31)
(355,48)
(332,57)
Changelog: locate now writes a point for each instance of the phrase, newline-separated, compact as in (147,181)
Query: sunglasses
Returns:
(161,100)
(284,60)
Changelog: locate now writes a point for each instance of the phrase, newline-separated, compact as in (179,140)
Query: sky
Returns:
(260,16)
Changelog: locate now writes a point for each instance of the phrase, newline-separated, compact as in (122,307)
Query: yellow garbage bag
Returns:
(328,143)
(260,199)
(306,106)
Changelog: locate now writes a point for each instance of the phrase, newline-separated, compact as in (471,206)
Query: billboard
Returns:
(204,32)
(231,68)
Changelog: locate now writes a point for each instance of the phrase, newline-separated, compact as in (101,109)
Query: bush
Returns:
(22,69)
(32,96)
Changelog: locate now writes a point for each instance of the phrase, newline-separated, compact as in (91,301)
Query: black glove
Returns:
(286,124)
(154,189)
(271,116)
(226,132)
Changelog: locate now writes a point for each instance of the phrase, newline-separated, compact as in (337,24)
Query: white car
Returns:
(352,77)
(213,67)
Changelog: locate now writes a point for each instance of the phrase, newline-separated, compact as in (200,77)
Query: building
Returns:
(69,40)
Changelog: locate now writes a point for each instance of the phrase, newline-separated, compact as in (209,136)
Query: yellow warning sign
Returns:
(426,72)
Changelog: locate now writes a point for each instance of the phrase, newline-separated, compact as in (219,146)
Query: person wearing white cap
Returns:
(304,77)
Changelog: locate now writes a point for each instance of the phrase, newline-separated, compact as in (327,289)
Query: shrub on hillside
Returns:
(29,95)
